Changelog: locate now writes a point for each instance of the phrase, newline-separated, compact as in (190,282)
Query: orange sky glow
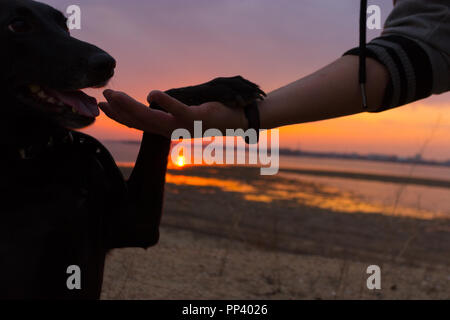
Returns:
(174,43)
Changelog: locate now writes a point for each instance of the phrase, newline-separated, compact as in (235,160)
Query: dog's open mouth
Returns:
(76,102)
(70,108)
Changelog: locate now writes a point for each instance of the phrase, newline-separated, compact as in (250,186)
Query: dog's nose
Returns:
(102,63)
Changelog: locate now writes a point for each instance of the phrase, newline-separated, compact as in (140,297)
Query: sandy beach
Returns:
(229,233)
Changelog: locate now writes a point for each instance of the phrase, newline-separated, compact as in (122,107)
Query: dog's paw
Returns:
(234,92)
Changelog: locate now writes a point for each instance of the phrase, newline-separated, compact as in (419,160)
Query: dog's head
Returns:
(43,69)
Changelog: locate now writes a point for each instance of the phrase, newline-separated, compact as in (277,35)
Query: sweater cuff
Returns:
(409,67)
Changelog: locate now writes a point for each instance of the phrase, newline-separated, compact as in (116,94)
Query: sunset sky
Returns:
(161,44)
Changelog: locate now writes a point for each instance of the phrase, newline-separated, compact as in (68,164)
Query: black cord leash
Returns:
(362,52)
(254,121)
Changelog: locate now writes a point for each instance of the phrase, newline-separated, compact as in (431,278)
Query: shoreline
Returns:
(398,179)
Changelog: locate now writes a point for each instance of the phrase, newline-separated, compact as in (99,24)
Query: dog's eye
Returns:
(19,26)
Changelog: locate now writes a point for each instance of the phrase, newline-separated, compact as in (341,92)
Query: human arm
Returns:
(331,92)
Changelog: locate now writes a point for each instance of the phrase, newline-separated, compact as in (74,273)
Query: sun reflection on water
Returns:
(310,195)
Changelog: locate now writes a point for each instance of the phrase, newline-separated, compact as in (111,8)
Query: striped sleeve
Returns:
(415,49)
(410,69)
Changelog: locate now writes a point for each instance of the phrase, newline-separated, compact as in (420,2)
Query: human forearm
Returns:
(328,93)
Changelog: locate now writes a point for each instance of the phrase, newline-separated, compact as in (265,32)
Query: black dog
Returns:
(64,202)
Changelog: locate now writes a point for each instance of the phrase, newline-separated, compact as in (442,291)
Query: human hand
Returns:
(127,111)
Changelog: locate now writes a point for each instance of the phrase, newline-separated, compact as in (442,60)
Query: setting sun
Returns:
(181,161)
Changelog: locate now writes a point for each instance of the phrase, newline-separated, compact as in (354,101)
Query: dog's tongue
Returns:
(84,104)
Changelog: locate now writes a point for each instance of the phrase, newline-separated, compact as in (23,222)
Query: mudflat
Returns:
(229,233)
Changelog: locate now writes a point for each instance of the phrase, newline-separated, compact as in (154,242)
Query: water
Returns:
(392,195)
(362,166)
